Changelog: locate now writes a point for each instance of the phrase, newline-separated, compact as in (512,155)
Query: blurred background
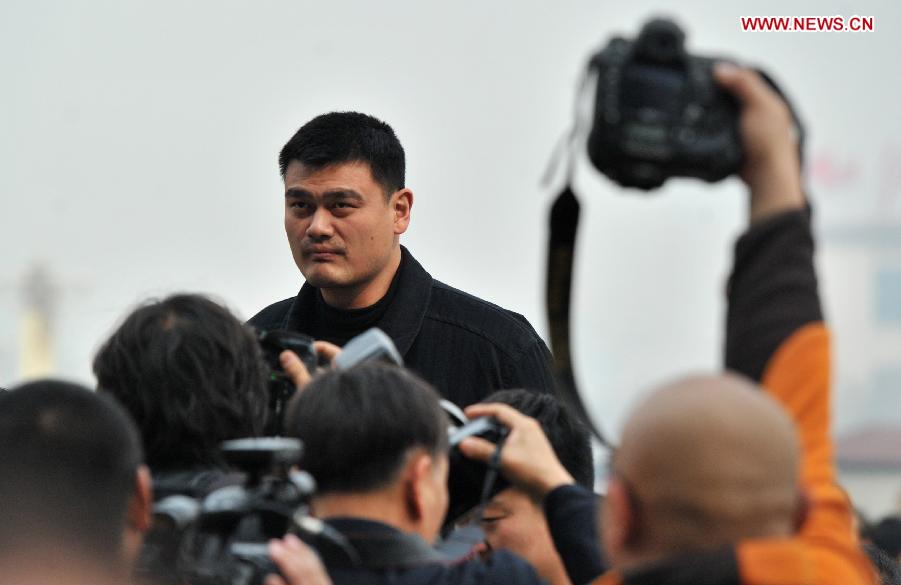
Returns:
(139,146)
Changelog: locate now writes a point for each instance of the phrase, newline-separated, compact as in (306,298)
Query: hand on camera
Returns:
(294,368)
(527,458)
(771,169)
(297,562)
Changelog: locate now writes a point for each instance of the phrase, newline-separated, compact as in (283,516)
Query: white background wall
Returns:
(138,145)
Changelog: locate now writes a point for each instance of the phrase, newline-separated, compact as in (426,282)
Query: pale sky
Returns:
(139,143)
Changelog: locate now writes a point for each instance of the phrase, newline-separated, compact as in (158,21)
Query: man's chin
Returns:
(319,278)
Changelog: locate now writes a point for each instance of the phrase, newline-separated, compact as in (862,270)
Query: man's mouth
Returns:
(321,253)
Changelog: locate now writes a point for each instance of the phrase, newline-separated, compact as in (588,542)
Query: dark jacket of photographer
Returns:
(571,514)
(464,346)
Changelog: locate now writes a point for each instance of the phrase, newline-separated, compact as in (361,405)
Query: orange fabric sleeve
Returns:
(826,551)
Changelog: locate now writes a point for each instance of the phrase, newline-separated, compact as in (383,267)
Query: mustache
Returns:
(316,248)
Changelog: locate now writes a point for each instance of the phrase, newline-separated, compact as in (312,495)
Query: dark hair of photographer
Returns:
(886,566)
(388,407)
(886,535)
(345,137)
(71,479)
(569,437)
(191,375)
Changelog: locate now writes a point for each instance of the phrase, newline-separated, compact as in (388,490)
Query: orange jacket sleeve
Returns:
(826,549)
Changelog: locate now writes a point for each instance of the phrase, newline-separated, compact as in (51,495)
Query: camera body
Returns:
(658,112)
(469,482)
(281,387)
(371,345)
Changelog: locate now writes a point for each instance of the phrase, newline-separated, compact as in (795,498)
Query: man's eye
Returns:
(490,519)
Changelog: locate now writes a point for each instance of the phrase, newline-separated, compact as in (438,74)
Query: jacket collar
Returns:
(380,545)
(403,317)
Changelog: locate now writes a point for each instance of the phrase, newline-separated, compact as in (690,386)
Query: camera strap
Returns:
(564,223)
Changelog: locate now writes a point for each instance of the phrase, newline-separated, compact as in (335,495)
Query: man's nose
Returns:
(320,225)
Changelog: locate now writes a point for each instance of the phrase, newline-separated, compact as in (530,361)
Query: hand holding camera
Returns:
(297,563)
(771,167)
(527,459)
(296,369)
(293,359)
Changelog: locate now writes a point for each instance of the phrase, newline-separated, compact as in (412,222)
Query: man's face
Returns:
(513,521)
(341,227)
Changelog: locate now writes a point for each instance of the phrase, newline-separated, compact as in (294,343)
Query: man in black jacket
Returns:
(375,440)
(346,205)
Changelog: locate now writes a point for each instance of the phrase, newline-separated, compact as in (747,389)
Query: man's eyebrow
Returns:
(333,195)
(342,195)
(297,192)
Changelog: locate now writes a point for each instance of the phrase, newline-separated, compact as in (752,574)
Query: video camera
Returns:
(222,538)
(207,533)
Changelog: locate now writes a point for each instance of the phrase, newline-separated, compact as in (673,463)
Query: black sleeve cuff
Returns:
(572,513)
(772,291)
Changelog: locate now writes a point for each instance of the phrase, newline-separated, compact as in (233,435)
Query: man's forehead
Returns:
(355,172)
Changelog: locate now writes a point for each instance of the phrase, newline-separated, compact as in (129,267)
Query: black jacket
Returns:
(464,346)
(571,514)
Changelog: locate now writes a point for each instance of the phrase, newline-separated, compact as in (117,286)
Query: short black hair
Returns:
(886,566)
(886,535)
(191,375)
(68,463)
(358,425)
(344,137)
(569,437)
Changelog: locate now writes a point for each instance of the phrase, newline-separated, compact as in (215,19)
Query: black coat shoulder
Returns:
(273,316)
(501,327)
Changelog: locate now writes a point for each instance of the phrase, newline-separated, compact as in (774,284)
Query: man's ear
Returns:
(141,504)
(137,516)
(619,527)
(415,486)
(401,205)
(802,509)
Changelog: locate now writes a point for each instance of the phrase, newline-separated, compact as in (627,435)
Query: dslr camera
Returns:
(372,344)
(658,112)
(471,484)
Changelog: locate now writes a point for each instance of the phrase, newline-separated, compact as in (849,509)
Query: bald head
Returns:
(704,461)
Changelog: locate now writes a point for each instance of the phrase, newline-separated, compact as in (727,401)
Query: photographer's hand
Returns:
(297,562)
(294,368)
(771,170)
(527,458)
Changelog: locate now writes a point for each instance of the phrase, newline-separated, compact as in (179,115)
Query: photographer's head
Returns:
(703,462)
(375,440)
(71,481)
(191,375)
(514,519)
